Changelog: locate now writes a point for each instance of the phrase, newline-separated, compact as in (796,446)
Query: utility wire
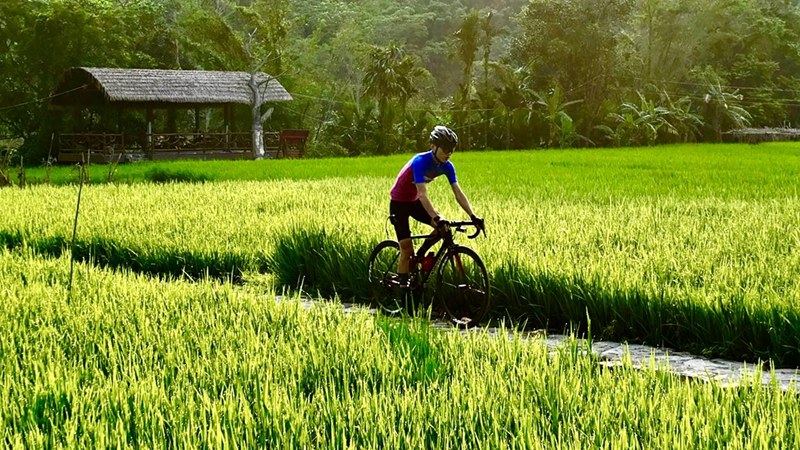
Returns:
(728,86)
(459,126)
(43,99)
(349,103)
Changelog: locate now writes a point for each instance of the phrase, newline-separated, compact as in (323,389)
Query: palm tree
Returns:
(512,93)
(467,41)
(391,74)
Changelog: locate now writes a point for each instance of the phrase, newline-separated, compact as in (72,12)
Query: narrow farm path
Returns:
(611,354)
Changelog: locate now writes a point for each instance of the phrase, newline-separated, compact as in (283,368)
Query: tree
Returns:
(514,96)
(722,109)
(485,97)
(573,44)
(390,74)
(41,39)
(466,45)
(561,129)
(750,44)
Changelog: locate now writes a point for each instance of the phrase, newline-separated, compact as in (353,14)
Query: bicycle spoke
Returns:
(463,287)
(386,290)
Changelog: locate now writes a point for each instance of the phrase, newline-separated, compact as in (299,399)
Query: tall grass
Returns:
(691,247)
(134,362)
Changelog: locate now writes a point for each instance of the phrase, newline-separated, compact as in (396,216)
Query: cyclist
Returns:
(409,195)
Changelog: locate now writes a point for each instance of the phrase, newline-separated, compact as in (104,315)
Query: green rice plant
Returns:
(694,247)
(320,262)
(692,170)
(131,361)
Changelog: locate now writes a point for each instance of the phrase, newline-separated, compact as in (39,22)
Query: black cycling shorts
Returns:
(402,211)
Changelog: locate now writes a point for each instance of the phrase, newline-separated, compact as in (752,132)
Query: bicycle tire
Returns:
(384,292)
(462,287)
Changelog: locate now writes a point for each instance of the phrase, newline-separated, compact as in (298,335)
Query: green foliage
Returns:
(6,156)
(657,239)
(149,363)
(572,44)
(320,262)
(722,109)
(652,121)
(329,53)
(390,74)
(167,175)
(467,39)
(562,132)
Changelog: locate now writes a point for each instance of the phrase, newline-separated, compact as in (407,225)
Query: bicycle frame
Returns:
(448,242)
(464,299)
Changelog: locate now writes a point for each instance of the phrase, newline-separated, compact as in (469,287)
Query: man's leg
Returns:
(427,244)
(400,212)
(406,250)
(420,215)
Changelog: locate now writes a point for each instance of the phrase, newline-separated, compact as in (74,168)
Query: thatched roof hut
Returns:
(92,86)
(151,91)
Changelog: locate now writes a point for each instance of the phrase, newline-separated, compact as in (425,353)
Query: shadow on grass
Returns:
(330,264)
(163,175)
(112,254)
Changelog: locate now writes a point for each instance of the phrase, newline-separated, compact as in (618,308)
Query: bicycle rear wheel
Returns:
(385,290)
(463,287)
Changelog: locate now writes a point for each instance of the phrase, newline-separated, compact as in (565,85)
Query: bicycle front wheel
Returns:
(463,287)
(385,290)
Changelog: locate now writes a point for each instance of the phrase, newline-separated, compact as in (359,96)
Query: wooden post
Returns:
(227,109)
(149,149)
(58,124)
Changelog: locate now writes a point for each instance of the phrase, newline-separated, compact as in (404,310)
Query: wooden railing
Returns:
(199,145)
(105,147)
(97,147)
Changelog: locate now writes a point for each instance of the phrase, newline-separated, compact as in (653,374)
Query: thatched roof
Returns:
(89,86)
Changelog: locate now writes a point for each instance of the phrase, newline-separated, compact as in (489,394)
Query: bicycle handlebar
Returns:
(458,226)
(455,226)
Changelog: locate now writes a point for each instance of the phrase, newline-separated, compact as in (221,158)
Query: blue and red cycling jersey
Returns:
(422,168)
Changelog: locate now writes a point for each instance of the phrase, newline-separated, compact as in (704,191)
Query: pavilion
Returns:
(168,103)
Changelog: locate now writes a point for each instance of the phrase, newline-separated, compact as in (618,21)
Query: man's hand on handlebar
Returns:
(440,223)
(478,222)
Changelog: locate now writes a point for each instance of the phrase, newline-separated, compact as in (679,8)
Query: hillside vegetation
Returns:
(373,76)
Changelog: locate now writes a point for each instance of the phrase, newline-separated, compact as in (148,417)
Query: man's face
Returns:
(443,154)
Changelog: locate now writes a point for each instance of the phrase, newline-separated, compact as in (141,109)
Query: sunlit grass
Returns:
(694,247)
(128,361)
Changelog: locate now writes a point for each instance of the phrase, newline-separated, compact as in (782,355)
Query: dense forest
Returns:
(370,76)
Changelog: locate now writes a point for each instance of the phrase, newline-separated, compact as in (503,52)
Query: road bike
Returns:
(461,282)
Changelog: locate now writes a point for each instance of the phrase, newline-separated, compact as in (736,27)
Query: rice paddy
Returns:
(131,361)
(693,247)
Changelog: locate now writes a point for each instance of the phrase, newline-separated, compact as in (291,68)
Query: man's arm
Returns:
(461,198)
(422,188)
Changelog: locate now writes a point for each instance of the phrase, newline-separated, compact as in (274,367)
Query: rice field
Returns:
(128,360)
(691,247)
(171,337)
